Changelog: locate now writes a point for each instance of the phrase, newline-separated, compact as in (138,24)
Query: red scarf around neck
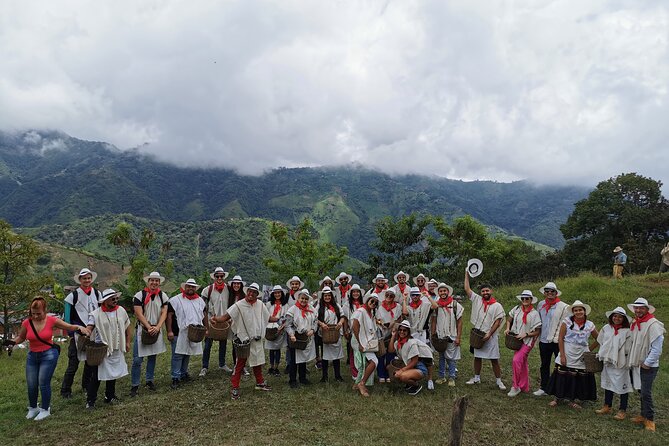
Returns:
(616,327)
(195,296)
(580,324)
(415,303)
(304,309)
(357,303)
(400,343)
(487,303)
(640,320)
(87,290)
(344,289)
(548,305)
(107,310)
(526,312)
(401,287)
(445,302)
(389,306)
(277,307)
(330,307)
(377,290)
(150,295)
(219,288)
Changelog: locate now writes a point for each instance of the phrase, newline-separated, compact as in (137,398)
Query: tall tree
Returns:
(298,251)
(18,255)
(627,210)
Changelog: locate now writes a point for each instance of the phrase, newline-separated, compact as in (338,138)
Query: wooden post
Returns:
(458,420)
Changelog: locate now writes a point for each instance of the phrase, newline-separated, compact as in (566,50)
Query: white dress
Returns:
(302,325)
(518,327)
(249,323)
(152,312)
(188,312)
(484,320)
(110,329)
(332,351)
(576,343)
(613,351)
(281,342)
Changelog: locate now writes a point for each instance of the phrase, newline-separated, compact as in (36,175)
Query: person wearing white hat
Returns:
(614,341)
(189,309)
(432,285)
(380,285)
(487,316)
(569,380)
(644,359)
(664,263)
(110,325)
(365,343)
(446,323)
(416,355)
(523,322)
(401,287)
(249,322)
(352,301)
(326,282)
(294,284)
(78,306)
(301,318)
(619,261)
(150,307)
(277,305)
(344,284)
(388,313)
(551,311)
(330,314)
(416,310)
(236,293)
(217,299)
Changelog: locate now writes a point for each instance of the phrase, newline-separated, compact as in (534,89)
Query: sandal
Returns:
(553,403)
(575,406)
(363,390)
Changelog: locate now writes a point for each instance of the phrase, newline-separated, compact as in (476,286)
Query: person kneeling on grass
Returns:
(417,357)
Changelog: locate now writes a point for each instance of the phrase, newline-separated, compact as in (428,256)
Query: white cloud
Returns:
(569,92)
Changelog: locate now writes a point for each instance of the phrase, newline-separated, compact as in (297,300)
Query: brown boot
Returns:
(638,419)
(649,425)
(620,415)
(604,410)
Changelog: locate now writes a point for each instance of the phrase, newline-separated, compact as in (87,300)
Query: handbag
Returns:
(57,347)
(372,345)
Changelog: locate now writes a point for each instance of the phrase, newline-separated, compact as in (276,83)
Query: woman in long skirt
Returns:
(330,317)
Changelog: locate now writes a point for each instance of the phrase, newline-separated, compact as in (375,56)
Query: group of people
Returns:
(391,333)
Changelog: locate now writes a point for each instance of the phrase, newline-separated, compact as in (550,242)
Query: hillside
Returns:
(49,177)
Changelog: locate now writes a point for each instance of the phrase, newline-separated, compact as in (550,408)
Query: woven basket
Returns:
(242,348)
(512,342)
(331,335)
(301,341)
(148,339)
(476,338)
(272,333)
(95,353)
(82,342)
(196,332)
(394,366)
(218,331)
(440,344)
(592,363)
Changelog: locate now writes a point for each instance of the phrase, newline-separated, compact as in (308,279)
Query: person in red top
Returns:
(43,355)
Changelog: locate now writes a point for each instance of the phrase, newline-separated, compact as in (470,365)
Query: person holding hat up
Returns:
(487,316)
(277,305)
(365,343)
(614,341)
(389,313)
(189,310)
(217,299)
(552,312)
(524,322)
(249,321)
(344,281)
(150,307)
(112,328)
(647,334)
(79,304)
(569,380)
(619,261)
(401,288)
(416,355)
(330,314)
(446,323)
(301,318)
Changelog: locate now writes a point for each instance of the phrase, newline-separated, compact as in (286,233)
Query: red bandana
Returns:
(195,296)
(104,308)
(219,288)
(424,290)
(444,303)
(400,343)
(640,320)
(251,302)
(526,312)
(415,303)
(548,305)
(580,324)
(616,327)
(86,290)
(356,303)
(344,289)
(487,303)
(304,309)
(150,295)
(389,306)
(277,307)
(330,307)
(401,287)
(377,290)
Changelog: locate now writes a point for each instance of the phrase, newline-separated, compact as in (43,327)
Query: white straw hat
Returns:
(237,279)
(219,270)
(325,279)
(83,272)
(380,277)
(342,275)
(527,293)
(474,267)
(295,279)
(190,282)
(578,303)
(448,287)
(108,294)
(641,302)
(154,275)
(401,273)
(618,310)
(550,286)
(421,275)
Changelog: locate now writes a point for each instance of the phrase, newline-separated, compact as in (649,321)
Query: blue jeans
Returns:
(137,366)
(452,364)
(179,362)
(384,360)
(39,370)
(647,378)
(222,347)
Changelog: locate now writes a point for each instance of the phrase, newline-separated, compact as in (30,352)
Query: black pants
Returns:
(94,385)
(294,369)
(72,366)
(608,399)
(547,351)
(336,365)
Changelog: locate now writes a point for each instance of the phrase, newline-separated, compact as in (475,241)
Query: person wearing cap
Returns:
(619,261)
(401,287)
(301,318)
(446,323)
(487,316)
(189,309)
(365,343)
(344,284)
(380,285)
(416,310)
(78,306)
(277,305)
(525,323)
(249,320)
(416,355)
(388,313)
(217,299)
(111,326)
(569,380)
(647,334)
(552,312)
(352,301)
(614,341)
(150,307)
(330,314)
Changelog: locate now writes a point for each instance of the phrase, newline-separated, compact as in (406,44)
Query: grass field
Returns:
(201,412)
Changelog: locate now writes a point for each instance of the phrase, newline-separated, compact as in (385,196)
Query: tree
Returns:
(627,210)
(298,251)
(18,255)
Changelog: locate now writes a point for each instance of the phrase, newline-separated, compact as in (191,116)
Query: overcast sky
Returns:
(556,91)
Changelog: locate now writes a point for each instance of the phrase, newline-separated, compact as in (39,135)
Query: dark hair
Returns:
(350,298)
(322,305)
(571,318)
(484,285)
(236,296)
(284,297)
(626,322)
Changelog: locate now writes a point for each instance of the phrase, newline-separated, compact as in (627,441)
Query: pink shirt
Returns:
(46,334)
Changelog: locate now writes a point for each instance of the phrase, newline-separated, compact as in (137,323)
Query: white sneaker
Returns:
(43,414)
(514,392)
(226,369)
(430,385)
(474,380)
(501,385)
(203,372)
(539,392)
(32,412)
(246,372)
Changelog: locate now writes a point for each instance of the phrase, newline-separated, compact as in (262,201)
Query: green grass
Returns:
(332,414)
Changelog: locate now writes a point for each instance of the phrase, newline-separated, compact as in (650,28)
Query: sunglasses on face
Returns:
(525,298)
(550,291)
(219,277)
(372,302)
